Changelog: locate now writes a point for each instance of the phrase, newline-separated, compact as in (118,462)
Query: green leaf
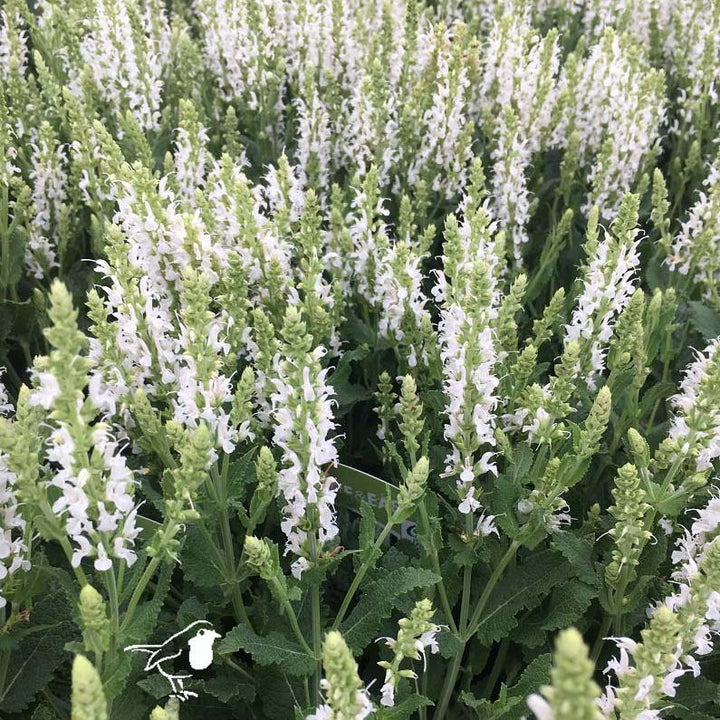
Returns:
(405,709)
(378,601)
(521,589)
(241,474)
(704,319)
(578,551)
(568,602)
(537,673)
(482,706)
(346,392)
(227,686)
(156,686)
(273,649)
(40,652)
(198,560)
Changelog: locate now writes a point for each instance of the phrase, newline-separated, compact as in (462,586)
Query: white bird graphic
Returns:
(163,657)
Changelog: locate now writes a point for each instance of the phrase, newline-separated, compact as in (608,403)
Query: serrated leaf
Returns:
(227,686)
(378,601)
(404,709)
(156,686)
(537,673)
(568,602)
(523,588)
(704,319)
(273,649)
(198,560)
(40,652)
(482,706)
(241,474)
(578,551)
(366,534)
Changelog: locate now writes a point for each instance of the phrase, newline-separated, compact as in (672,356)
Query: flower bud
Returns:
(88,700)
(94,620)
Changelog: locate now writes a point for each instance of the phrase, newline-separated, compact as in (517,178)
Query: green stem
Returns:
(228,548)
(5,242)
(292,617)
(316,619)
(79,574)
(449,685)
(436,568)
(494,578)
(497,667)
(602,632)
(139,589)
(114,609)
(361,572)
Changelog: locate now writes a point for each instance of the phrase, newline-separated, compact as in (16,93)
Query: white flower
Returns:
(47,391)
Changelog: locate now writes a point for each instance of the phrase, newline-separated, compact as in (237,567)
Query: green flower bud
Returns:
(94,620)
(258,556)
(595,424)
(573,692)
(629,532)
(411,415)
(413,488)
(342,685)
(171,711)
(88,700)
(639,448)
(267,475)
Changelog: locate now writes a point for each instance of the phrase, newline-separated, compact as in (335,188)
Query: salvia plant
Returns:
(360,359)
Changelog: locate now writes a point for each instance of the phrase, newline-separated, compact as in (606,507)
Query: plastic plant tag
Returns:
(356,486)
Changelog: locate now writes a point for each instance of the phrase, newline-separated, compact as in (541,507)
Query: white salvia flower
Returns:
(692,52)
(399,296)
(682,626)
(468,357)
(244,47)
(13,44)
(369,236)
(314,147)
(302,423)
(444,151)
(104,526)
(370,131)
(512,155)
(695,428)
(190,155)
(611,109)
(516,99)
(696,248)
(638,17)
(126,52)
(49,181)
(609,282)
(13,547)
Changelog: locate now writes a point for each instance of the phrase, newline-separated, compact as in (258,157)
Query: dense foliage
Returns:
(375,341)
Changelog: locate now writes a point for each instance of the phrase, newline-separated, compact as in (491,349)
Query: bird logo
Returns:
(191,647)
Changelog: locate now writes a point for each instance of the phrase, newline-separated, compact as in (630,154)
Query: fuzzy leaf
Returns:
(405,709)
(273,649)
(522,589)
(704,319)
(568,602)
(378,601)
(578,552)
(40,652)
